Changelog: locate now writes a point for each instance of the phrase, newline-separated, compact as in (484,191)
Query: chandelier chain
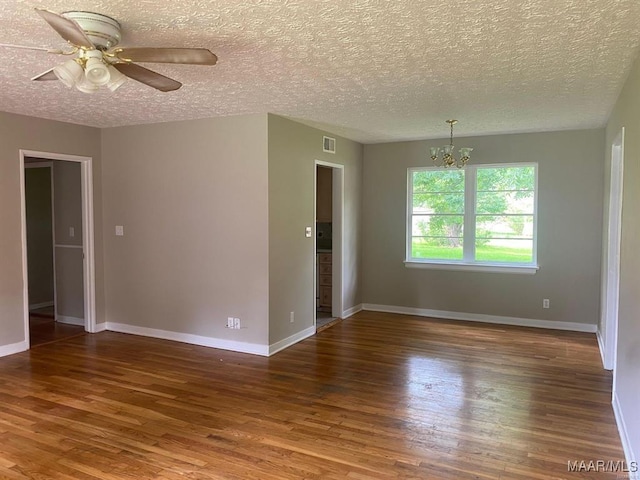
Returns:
(451,137)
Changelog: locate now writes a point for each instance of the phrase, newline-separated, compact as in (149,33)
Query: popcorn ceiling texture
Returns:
(370,70)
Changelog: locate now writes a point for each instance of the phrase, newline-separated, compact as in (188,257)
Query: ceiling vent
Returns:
(328,144)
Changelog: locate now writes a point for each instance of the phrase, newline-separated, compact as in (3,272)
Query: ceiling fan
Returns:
(96,61)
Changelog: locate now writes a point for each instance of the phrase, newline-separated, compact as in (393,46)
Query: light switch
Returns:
(119,230)
(307,232)
(72,232)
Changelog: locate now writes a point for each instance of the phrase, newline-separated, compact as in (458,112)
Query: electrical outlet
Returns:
(236,323)
(292,317)
(545,303)
(230,322)
(72,232)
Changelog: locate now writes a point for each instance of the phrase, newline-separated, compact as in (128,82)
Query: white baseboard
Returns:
(295,338)
(352,311)
(100,327)
(70,320)
(472,317)
(35,306)
(13,348)
(223,344)
(622,430)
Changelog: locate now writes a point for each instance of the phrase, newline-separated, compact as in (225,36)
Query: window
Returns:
(482,217)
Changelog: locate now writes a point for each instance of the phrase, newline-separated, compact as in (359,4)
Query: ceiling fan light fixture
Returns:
(116,79)
(69,72)
(92,37)
(85,86)
(95,69)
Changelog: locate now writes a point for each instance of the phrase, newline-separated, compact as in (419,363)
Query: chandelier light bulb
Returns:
(465,153)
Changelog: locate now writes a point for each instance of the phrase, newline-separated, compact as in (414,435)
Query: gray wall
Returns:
(39,234)
(627,389)
(192,199)
(67,201)
(570,180)
(67,206)
(293,149)
(21,132)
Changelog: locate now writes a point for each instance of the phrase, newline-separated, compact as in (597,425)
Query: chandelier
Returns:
(443,156)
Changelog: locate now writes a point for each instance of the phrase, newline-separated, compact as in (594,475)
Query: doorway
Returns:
(45,325)
(57,246)
(611,288)
(329,208)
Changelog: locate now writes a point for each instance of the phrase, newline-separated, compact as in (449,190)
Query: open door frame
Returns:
(49,164)
(87,235)
(611,272)
(337,213)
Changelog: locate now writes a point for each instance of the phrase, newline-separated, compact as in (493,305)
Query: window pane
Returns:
(436,248)
(426,181)
(504,227)
(437,226)
(438,203)
(506,178)
(437,237)
(504,251)
(505,202)
(503,216)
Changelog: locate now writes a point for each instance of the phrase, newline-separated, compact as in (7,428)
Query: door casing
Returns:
(86,179)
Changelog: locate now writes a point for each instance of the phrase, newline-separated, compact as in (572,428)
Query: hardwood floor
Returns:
(324,320)
(376,396)
(43,330)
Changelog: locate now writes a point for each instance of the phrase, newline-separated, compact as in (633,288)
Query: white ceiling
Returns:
(371,70)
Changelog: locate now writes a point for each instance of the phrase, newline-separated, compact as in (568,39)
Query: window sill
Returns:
(474,267)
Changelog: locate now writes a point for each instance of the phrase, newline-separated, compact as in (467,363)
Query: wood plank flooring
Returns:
(377,396)
(324,322)
(44,329)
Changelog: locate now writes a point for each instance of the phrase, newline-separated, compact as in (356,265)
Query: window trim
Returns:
(470,195)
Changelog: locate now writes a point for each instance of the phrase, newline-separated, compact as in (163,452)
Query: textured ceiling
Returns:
(371,70)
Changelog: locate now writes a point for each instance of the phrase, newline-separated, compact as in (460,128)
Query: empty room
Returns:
(320,240)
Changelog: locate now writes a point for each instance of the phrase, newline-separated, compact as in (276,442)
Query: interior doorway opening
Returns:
(45,325)
(57,246)
(329,208)
(611,290)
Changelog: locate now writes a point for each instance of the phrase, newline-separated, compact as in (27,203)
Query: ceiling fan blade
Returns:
(66,28)
(148,77)
(48,75)
(189,56)
(27,47)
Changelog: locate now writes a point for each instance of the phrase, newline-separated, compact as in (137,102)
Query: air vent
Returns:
(328,144)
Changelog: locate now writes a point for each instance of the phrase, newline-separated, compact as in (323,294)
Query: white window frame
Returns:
(469,236)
